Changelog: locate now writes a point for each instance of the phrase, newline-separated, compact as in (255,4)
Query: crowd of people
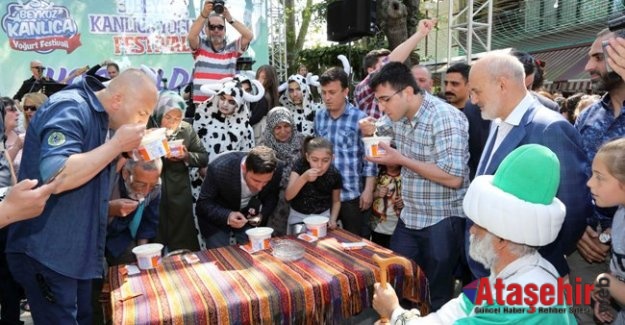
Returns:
(493,179)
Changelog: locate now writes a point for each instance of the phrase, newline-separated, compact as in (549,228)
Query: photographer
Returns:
(214,57)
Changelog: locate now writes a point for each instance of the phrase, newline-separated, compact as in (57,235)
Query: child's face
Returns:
(320,159)
(606,190)
(393,168)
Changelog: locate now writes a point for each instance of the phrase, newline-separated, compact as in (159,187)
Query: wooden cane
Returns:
(384,263)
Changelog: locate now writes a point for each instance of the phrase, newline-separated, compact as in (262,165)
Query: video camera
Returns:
(218,6)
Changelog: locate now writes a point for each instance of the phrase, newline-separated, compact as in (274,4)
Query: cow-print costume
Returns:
(303,115)
(221,133)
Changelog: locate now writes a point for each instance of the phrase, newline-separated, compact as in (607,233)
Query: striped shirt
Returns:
(211,65)
(438,134)
(363,94)
(349,150)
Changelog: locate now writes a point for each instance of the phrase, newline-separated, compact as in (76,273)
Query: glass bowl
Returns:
(287,250)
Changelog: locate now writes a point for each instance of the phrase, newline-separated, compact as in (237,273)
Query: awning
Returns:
(564,69)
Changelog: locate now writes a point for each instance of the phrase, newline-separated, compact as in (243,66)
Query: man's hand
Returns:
(425,26)
(616,55)
(366,199)
(122,207)
(236,220)
(128,136)
(367,126)
(391,155)
(24,201)
(208,8)
(384,300)
(590,248)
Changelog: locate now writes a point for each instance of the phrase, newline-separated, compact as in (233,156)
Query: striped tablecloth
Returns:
(230,286)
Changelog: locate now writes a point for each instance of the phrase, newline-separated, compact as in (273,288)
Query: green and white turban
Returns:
(518,203)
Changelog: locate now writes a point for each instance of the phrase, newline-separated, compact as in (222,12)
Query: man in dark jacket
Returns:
(240,191)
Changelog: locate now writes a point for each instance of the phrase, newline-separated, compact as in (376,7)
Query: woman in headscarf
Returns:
(281,135)
(176,222)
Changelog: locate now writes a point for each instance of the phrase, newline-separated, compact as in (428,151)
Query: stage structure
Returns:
(472,23)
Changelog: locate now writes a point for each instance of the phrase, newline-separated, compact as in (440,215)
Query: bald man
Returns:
(423,76)
(35,82)
(497,84)
(74,138)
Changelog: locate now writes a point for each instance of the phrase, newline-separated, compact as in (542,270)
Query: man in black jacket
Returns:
(240,191)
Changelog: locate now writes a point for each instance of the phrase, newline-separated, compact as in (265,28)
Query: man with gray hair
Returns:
(133,209)
(214,57)
(497,84)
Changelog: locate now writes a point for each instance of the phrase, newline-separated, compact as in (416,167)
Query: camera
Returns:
(218,6)
(617,26)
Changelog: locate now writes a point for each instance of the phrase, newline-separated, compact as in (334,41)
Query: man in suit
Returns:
(498,88)
(36,82)
(239,189)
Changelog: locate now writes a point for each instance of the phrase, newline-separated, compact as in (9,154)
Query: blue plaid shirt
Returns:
(597,125)
(438,134)
(349,150)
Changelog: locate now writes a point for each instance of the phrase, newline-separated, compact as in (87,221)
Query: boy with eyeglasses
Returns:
(432,148)
(215,59)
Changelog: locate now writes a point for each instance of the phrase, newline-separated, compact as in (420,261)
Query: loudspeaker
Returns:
(350,19)
(335,22)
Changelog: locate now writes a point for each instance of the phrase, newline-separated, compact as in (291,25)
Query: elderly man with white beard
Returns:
(515,211)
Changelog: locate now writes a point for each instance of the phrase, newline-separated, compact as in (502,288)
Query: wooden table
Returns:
(230,286)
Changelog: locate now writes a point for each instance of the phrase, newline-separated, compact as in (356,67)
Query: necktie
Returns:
(136,219)
(484,162)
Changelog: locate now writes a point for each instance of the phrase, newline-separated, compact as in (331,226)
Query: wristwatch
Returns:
(605,238)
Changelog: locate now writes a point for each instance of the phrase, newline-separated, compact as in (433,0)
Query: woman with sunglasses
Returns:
(214,57)
(30,104)
(13,140)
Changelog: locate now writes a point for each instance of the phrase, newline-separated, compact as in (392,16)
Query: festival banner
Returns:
(67,35)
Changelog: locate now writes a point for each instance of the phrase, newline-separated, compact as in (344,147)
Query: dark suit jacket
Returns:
(542,126)
(31,85)
(221,194)
(478,134)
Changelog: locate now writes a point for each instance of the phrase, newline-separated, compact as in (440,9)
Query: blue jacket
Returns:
(548,128)
(68,237)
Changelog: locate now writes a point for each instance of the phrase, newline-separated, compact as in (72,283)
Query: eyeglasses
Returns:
(218,27)
(31,108)
(385,99)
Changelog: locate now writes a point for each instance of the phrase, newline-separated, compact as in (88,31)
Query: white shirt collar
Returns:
(521,108)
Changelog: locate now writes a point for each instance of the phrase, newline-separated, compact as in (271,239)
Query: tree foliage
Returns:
(396,20)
